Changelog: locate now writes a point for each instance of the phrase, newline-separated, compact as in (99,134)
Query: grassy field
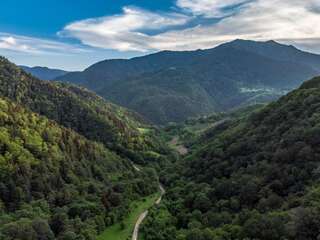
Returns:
(115,232)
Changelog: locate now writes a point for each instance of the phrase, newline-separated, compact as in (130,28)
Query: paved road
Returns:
(144,215)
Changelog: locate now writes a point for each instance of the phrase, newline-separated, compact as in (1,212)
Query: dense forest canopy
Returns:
(54,183)
(67,166)
(79,109)
(253,178)
(66,159)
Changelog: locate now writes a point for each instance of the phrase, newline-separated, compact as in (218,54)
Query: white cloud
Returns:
(288,21)
(11,43)
(24,44)
(209,8)
(123,32)
(282,20)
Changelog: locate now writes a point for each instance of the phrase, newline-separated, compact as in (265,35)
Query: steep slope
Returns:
(56,184)
(44,73)
(168,95)
(252,178)
(79,109)
(228,76)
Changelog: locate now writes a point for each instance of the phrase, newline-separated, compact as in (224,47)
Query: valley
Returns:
(69,169)
(253,176)
(74,166)
(160,120)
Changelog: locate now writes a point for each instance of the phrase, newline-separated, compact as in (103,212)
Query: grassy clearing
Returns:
(178,146)
(115,232)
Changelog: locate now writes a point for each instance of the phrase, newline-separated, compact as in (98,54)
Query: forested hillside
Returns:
(253,178)
(66,165)
(56,184)
(174,86)
(66,159)
(160,120)
(81,110)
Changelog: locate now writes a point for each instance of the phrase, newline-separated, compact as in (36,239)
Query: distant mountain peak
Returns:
(244,42)
(44,73)
(272,42)
(253,45)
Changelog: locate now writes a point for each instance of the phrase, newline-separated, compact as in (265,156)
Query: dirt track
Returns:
(144,215)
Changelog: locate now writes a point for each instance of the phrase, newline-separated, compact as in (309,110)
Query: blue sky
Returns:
(45,18)
(73,34)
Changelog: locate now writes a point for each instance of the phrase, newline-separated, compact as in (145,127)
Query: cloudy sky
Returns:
(73,34)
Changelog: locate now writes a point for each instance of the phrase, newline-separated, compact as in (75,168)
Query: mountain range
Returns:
(76,166)
(172,86)
(44,73)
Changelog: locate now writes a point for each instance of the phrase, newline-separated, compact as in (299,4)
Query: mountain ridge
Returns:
(152,84)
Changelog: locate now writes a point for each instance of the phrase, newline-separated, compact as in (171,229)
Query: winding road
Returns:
(138,223)
(145,214)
